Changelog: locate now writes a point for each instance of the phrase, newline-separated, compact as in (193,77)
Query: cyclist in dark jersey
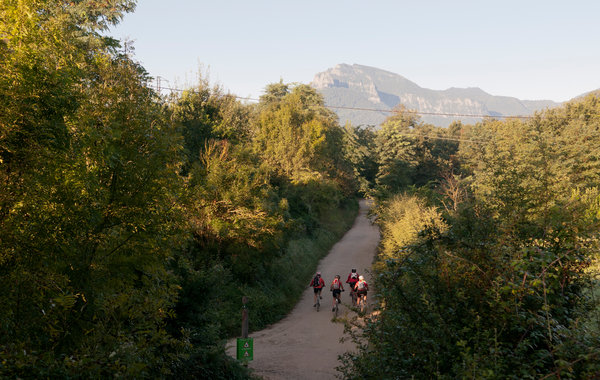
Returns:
(352,280)
(318,284)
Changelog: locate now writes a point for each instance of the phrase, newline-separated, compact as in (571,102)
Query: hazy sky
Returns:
(528,49)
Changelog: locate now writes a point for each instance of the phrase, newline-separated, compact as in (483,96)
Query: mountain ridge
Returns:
(359,86)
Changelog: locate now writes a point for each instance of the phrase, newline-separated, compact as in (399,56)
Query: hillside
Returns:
(360,86)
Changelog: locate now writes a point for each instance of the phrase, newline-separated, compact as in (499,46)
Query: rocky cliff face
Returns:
(357,86)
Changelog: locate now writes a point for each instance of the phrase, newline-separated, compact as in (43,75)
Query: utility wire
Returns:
(432,113)
(160,88)
(413,135)
(442,138)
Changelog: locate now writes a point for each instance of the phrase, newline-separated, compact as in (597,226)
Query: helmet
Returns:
(361,278)
(337,276)
(318,273)
(353,270)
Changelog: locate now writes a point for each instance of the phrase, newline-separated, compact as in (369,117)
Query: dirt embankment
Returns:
(306,343)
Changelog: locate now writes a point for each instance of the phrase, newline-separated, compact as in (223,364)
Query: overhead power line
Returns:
(433,113)
(159,88)
(414,135)
(442,138)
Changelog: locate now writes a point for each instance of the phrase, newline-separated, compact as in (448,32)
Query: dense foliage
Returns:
(498,283)
(410,153)
(131,224)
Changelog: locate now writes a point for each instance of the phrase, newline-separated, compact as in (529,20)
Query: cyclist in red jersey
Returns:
(352,280)
(362,288)
(336,287)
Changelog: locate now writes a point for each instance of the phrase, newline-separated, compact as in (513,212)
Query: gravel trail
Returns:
(306,343)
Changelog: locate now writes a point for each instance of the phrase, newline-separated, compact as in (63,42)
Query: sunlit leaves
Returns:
(402,218)
(504,292)
(89,166)
(230,202)
(203,114)
(292,132)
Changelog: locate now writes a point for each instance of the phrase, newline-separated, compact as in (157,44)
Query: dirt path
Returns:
(307,342)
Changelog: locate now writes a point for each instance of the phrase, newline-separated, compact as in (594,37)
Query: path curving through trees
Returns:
(307,343)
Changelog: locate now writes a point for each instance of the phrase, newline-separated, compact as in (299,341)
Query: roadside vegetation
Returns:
(488,262)
(131,223)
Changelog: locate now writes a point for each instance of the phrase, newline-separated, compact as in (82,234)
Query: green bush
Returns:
(465,303)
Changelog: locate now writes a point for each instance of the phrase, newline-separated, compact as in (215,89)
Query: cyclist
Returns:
(336,288)
(317,283)
(352,280)
(361,288)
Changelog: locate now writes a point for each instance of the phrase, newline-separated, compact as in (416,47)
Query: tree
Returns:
(88,216)
(234,212)
(203,114)
(504,292)
(411,153)
(295,133)
(45,45)
(395,153)
(359,151)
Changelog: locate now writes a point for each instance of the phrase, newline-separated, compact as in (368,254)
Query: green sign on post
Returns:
(245,349)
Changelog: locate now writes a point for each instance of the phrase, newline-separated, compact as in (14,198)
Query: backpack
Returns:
(316,281)
(362,285)
(336,284)
(354,275)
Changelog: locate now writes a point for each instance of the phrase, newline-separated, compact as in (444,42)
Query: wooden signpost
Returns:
(245,345)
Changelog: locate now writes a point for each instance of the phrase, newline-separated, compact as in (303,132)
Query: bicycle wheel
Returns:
(318,303)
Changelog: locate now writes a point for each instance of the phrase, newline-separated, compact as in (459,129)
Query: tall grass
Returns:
(274,295)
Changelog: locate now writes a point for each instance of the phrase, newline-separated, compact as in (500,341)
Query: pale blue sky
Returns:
(526,49)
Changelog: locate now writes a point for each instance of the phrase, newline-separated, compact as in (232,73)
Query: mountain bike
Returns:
(335,309)
(336,304)
(318,301)
(362,301)
(353,297)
